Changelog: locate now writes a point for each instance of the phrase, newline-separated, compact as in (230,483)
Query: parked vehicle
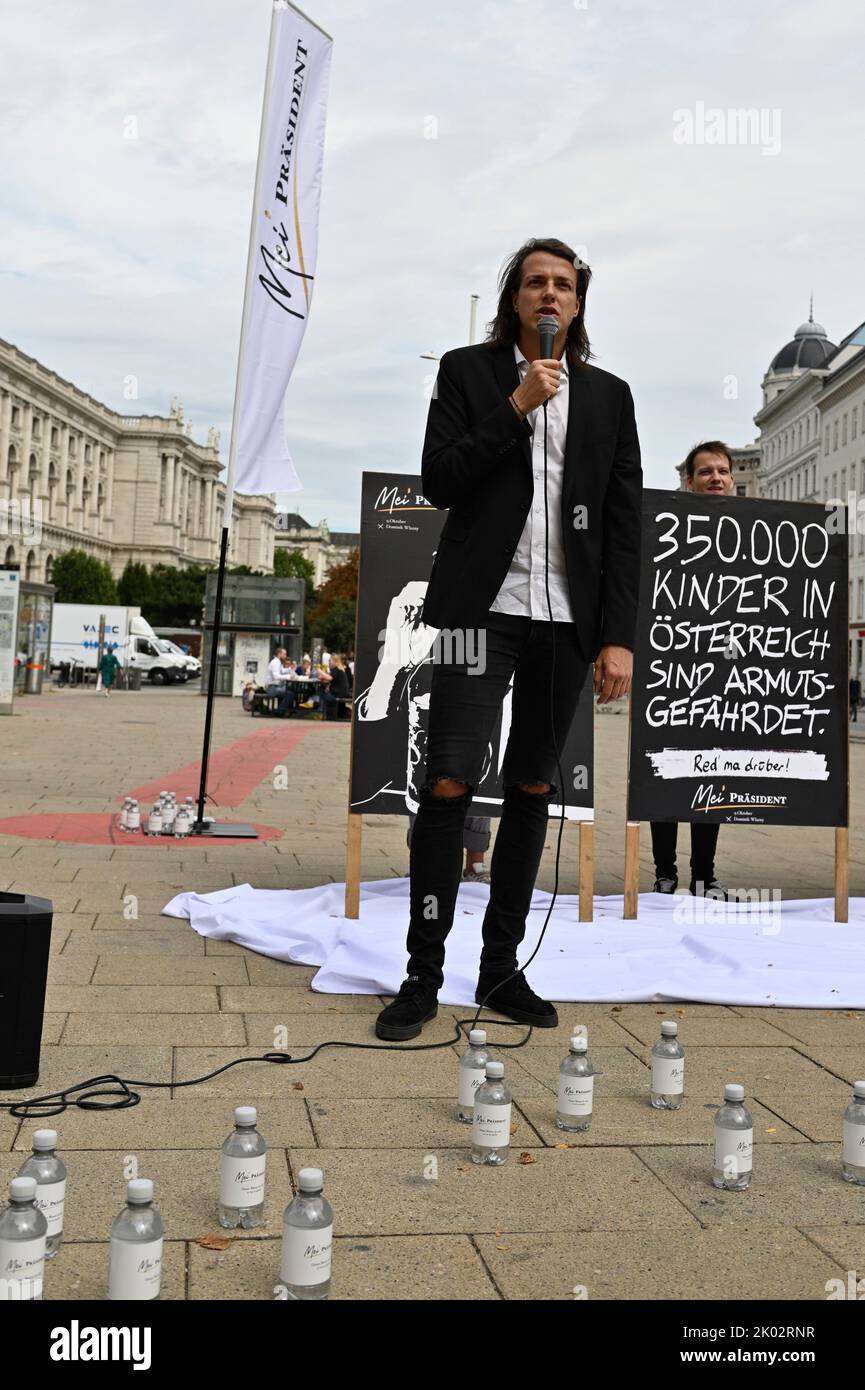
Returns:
(192,664)
(75,639)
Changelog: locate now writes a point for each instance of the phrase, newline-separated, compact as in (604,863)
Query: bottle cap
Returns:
(310,1180)
(733,1091)
(45,1139)
(859,1090)
(495,1070)
(477,1037)
(22,1189)
(245,1115)
(578,1044)
(669,1028)
(139,1190)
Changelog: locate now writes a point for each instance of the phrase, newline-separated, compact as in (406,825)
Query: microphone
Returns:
(548,327)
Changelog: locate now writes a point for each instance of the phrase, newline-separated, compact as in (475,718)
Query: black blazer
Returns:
(477,462)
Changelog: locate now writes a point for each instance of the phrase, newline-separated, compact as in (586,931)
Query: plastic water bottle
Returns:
(853,1151)
(123,820)
(472,1070)
(668,1068)
(182,823)
(154,820)
(307,1239)
(169,814)
(133,817)
(241,1176)
(491,1118)
(576,1088)
(50,1174)
(22,1243)
(734,1141)
(135,1253)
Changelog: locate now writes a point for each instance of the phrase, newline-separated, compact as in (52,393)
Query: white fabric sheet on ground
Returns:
(784,953)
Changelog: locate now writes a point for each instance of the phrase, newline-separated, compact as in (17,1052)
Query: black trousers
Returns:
(704,839)
(464,704)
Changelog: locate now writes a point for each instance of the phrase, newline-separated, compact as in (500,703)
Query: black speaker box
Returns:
(25,940)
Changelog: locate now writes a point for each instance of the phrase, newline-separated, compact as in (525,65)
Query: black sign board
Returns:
(394,658)
(739,705)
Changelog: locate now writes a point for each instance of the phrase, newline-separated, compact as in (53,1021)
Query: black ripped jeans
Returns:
(465,700)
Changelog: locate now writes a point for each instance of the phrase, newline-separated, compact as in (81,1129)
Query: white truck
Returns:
(75,638)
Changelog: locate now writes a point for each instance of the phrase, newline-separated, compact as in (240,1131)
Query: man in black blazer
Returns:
(538,559)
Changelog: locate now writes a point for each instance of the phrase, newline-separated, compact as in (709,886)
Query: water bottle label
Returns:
(134,1269)
(50,1199)
(306,1255)
(491,1126)
(470,1079)
(575,1095)
(242,1181)
(22,1263)
(854,1144)
(668,1076)
(733,1151)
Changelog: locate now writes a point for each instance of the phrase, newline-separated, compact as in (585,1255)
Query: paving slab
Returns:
(718,1030)
(389,1192)
(845,1244)
(307,1029)
(77,969)
(630,1120)
(432,1124)
(186,1122)
(132,999)
(173,1030)
(134,942)
(709,1069)
(424,1268)
(659,1265)
(63,1065)
(793,1185)
(145,969)
(827,1027)
(846,1063)
(617,1069)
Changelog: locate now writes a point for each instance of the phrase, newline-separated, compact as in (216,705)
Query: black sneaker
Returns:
(517,1000)
(666,885)
(708,888)
(405,1016)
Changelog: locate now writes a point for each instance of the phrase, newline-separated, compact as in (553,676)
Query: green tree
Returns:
(81,578)
(134,586)
(176,596)
(333,616)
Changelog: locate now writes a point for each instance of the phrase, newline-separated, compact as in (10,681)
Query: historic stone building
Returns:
(76,475)
(325,548)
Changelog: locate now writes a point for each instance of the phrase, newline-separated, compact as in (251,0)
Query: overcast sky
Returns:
(124,257)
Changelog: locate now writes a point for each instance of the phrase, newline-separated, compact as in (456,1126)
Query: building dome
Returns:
(810,347)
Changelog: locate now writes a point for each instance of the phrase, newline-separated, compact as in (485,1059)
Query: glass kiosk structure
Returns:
(259,614)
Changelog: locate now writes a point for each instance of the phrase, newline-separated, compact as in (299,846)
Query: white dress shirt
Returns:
(277,674)
(523,590)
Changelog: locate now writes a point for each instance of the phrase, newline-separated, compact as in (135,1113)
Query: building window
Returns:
(87,453)
(37,428)
(741,490)
(49,569)
(834,435)
(16,417)
(844,428)
(860,597)
(55,436)
(73,446)
(826,440)
(854,421)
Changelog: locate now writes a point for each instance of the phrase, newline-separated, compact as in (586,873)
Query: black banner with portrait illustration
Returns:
(739,705)
(394,658)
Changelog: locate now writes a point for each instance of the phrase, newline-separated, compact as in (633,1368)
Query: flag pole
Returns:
(202,826)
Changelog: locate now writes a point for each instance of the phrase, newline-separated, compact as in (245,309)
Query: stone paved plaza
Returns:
(626,1210)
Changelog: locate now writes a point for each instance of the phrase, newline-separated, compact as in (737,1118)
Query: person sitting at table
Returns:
(338,688)
(278,675)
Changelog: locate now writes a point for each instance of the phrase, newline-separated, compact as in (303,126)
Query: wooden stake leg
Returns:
(632,868)
(352,865)
(587,870)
